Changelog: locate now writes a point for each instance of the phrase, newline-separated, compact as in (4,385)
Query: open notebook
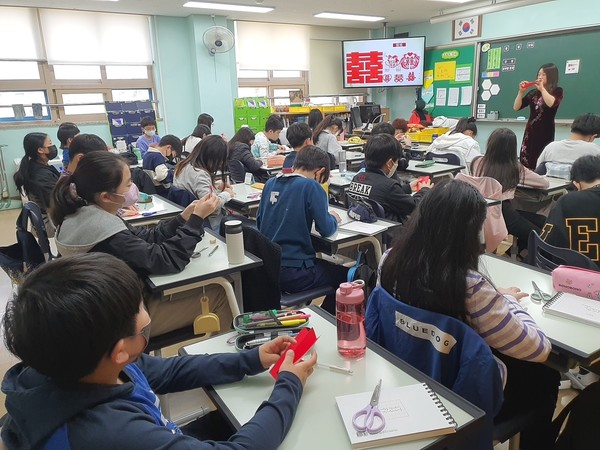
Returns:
(411,412)
(574,307)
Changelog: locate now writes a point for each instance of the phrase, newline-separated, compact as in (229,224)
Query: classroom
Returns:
(160,64)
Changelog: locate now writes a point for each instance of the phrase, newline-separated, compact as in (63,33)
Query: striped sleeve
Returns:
(503,323)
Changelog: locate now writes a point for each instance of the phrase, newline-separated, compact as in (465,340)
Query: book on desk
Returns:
(574,307)
(411,412)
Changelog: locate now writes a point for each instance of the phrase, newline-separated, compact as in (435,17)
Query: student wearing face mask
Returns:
(84,208)
(155,162)
(290,204)
(377,182)
(149,138)
(35,176)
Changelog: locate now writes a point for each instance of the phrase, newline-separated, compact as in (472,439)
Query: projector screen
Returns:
(388,62)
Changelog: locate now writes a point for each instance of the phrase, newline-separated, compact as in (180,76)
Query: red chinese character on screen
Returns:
(411,76)
(387,77)
(364,67)
(398,78)
(410,61)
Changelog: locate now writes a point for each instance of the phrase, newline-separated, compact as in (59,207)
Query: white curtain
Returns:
(81,37)
(268,46)
(19,34)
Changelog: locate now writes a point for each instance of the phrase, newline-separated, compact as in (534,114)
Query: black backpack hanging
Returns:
(20,258)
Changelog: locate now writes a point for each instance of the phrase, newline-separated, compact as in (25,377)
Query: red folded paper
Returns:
(304,342)
(421,180)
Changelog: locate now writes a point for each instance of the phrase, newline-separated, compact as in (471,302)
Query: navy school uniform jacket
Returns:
(47,416)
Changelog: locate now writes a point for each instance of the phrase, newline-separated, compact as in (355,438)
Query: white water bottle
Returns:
(342,161)
(235,241)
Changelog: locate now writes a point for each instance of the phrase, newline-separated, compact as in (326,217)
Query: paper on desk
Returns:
(368,229)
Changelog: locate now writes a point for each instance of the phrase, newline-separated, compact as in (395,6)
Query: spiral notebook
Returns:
(574,307)
(411,412)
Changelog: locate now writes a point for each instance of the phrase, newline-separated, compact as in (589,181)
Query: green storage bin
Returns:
(240,121)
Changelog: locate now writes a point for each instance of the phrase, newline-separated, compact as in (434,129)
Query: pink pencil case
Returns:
(581,282)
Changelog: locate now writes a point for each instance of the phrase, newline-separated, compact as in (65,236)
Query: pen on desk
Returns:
(273,323)
(213,250)
(336,368)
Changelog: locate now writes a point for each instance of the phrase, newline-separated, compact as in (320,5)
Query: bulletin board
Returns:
(448,81)
(504,64)
(124,119)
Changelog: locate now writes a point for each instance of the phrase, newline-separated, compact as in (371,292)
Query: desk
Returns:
(165,209)
(318,424)
(348,145)
(557,185)
(354,158)
(344,238)
(338,181)
(576,341)
(246,198)
(435,170)
(206,270)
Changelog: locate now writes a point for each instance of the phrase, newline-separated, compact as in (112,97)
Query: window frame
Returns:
(272,83)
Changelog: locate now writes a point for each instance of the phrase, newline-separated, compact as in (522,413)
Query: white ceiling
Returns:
(396,12)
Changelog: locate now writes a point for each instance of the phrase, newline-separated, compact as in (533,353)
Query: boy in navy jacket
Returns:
(80,329)
(156,162)
(289,205)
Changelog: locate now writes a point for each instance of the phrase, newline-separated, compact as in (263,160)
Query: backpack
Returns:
(581,430)
(362,271)
(20,258)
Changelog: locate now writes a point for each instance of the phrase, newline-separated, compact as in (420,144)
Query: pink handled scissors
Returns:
(364,420)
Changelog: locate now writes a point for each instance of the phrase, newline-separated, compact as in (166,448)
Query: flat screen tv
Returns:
(390,62)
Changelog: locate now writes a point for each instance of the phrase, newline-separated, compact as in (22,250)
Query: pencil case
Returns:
(256,328)
(574,280)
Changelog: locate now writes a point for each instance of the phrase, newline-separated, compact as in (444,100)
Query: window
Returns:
(19,70)
(126,73)
(8,113)
(253,91)
(272,84)
(130,95)
(74,72)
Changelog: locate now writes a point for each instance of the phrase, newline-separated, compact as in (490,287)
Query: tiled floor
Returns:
(7,237)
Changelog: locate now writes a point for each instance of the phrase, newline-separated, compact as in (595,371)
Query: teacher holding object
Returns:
(543,102)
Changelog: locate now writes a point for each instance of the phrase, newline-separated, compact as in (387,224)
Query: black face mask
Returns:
(52,151)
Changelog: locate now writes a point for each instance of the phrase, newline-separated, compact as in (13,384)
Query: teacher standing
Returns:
(543,102)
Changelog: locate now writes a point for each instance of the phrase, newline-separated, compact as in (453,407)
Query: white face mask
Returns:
(393,170)
(149,133)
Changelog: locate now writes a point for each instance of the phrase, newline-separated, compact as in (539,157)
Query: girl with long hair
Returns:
(325,136)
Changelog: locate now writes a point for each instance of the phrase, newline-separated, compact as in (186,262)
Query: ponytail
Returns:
(65,200)
(327,122)
(31,143)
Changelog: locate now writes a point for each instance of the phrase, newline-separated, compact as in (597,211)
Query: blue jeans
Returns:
(298,279)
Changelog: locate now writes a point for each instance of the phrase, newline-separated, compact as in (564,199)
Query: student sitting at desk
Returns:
(420,115)
(84,382)
(289,205)
(377,182)
(85,206)
(299,135)
(315,116)
(199,133)
(460,141)
(149,138)
(438,271)
(558,156)
(81,145)
(264,142)
(401,128)
(325,137)
(239,150)
(203,173)
(65,134)
(574,222)
(155,162)
(501,163)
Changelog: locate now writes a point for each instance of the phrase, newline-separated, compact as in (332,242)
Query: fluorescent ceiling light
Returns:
(494,6)
(328,15)
(228,7)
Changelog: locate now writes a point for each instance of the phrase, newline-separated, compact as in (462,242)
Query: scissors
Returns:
(364,420)
(539,295)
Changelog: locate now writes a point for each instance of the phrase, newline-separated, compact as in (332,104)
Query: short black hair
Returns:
(274,122)
(205,119)
(586,124)
(201,130)
(147,121)
(586,168)
(85,143)
(70,312)
(379,149)
(66,131)
(173,141)
(312,157)
(383,128)
(297,133)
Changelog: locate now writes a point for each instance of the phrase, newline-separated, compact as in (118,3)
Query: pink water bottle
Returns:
(350,314)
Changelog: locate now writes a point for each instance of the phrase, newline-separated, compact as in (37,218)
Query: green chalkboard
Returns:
(503,64)
(452,70)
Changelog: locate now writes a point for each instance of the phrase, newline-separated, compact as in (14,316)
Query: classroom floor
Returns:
(7,237)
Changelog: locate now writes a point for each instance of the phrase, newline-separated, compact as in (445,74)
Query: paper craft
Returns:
(304,342)
(411,412)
